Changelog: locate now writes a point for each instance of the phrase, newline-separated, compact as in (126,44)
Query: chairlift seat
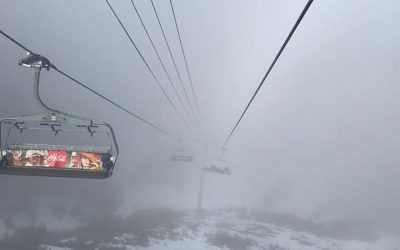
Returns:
(182,158)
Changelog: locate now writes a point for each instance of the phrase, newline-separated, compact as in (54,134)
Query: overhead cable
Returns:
(184,56)
(271,66)
(147,65)
(172,57)
(160,60)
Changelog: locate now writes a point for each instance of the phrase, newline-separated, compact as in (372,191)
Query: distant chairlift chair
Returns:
(181,155)
(218,166)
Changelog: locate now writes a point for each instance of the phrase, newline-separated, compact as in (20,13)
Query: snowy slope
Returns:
(161,229)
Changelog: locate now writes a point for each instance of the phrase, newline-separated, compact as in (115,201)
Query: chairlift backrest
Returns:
(79,160)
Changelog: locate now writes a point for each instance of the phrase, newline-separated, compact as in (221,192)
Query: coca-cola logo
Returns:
(57,158)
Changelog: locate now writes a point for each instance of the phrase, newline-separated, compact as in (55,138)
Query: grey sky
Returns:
(321,138)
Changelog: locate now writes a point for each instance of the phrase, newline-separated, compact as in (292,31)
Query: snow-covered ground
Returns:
(162,229)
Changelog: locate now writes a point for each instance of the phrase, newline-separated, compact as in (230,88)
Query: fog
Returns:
(320,140)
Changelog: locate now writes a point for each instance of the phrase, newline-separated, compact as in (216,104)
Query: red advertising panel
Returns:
(56,159)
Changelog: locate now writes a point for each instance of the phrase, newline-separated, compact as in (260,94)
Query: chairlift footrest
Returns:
(53,172)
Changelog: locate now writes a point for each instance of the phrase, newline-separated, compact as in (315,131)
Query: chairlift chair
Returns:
(218,166)
(182,158)
(182,155)
(77,161)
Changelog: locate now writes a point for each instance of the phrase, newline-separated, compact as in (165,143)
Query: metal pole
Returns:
(200,196)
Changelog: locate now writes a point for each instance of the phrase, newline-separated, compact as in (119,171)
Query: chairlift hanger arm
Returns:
(38,62)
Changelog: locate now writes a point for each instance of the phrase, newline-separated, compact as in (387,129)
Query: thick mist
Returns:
(320,140)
